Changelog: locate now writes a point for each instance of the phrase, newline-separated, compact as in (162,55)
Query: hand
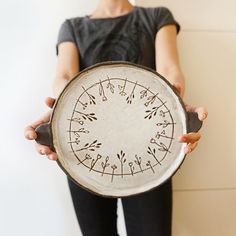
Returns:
(30,133)
(192,138)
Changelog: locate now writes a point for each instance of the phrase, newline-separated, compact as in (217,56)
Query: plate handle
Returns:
(194,124)
(44,135)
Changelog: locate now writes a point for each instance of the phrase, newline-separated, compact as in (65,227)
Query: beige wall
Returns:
(205,186)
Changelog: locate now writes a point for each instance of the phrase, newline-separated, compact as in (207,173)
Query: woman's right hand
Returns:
(30,133)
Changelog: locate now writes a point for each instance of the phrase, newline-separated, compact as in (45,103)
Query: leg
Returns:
(96,215)
(149,213)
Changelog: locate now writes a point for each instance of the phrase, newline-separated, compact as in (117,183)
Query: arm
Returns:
(167,64)
(167,59)
(67,68)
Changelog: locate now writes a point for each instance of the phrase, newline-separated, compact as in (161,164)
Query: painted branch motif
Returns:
(90,96)
(163,113)
(122,160)
(94,161)
(151,99)
(122,88)
(110,85)
(102,92)
(87,157)
(77,120)
(113,171)
(151,113)
(84,105)
(144,93)
(90,147)
(105,165)
(131,166)
(152,152)
(165,123)
(87,116)
(131,96)
(162,146)
(150,165)
(162,135)
(138,162)
(77,136)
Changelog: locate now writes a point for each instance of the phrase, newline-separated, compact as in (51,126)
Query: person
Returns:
(117,30)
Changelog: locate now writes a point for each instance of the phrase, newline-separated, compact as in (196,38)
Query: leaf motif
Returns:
(86,144)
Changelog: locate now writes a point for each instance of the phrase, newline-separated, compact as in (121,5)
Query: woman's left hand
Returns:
(192,138)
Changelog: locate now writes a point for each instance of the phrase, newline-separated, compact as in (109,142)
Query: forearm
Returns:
(59,84)
(175,76)
(67,66)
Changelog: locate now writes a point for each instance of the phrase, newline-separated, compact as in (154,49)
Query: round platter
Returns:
(115,128)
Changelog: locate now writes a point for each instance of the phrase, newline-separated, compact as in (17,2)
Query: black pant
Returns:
(146,214)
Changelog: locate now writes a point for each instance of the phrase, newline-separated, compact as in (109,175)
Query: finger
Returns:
(42,149)
(30,133)
(190,147)
(30,129)
(190,138)
(53,156)
(50,101)
(202,113)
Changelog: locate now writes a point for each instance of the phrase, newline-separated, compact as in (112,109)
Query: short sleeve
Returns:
(163,16)
(66,34)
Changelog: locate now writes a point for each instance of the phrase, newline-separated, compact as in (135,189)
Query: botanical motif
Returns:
(131,96)
(122,88)
(88,116)
(122,160)
(102,92)
(120,165)
(151,99)
(152,112)
(90,147)
(110,85)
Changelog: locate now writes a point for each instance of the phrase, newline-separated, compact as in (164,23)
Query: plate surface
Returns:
(115,129)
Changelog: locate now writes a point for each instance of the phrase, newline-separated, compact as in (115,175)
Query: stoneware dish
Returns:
(115,128)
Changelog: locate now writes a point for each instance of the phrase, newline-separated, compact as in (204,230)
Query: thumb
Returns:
(50,101)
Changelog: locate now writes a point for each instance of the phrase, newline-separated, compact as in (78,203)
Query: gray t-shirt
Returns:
(130,37)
